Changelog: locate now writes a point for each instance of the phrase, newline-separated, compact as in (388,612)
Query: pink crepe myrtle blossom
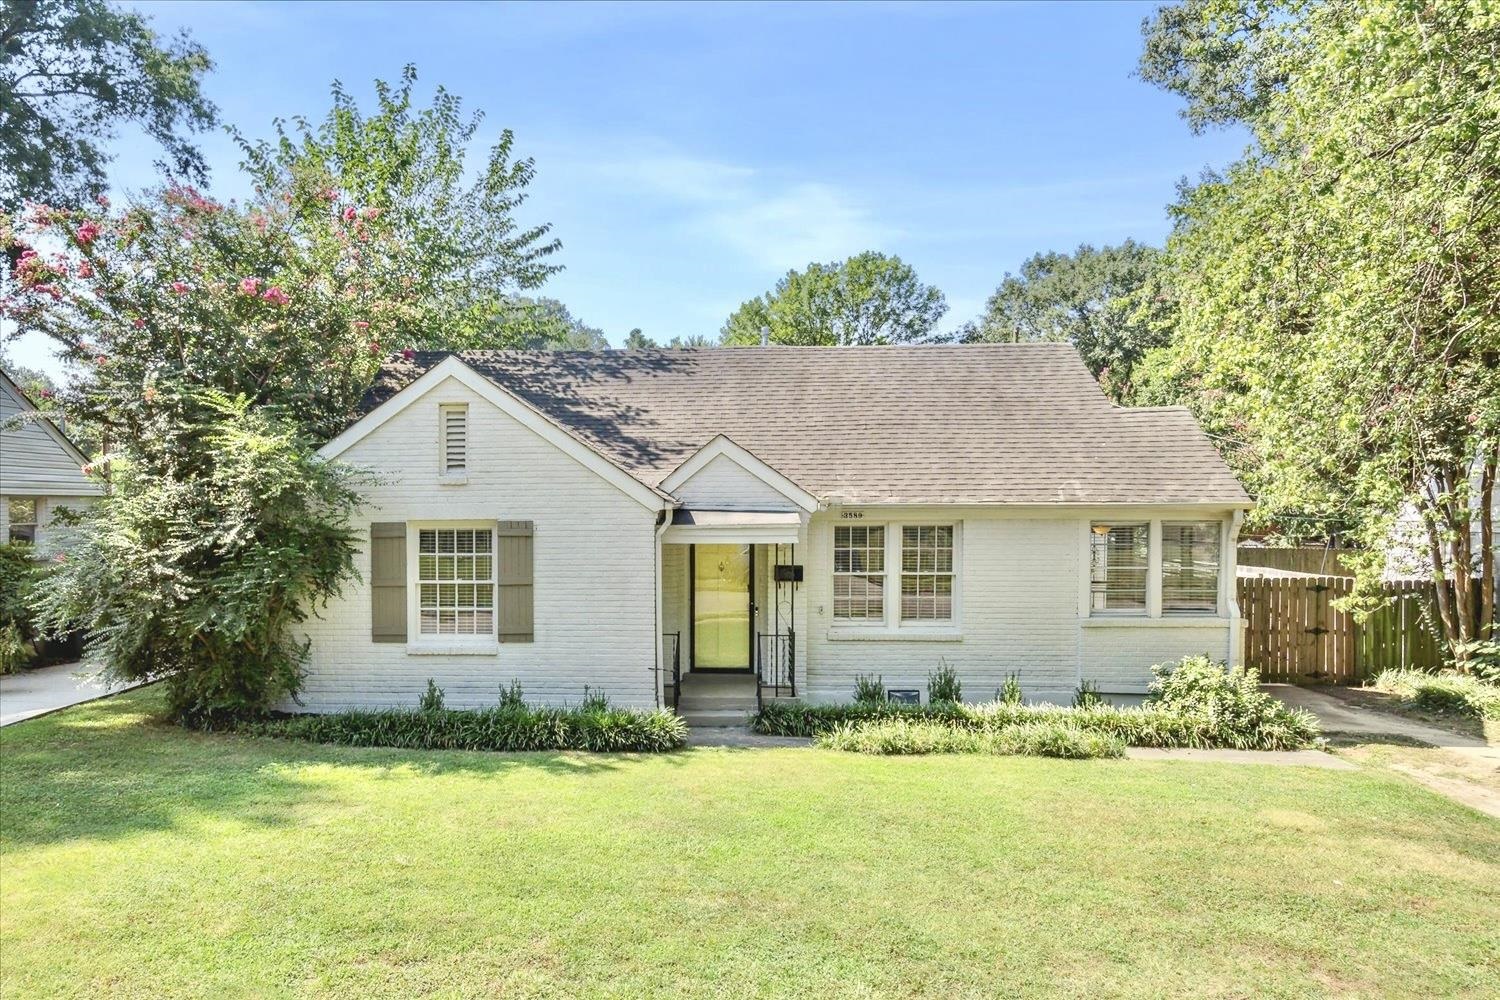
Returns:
(85,269)
(103,201)
(360,324)
(349,213)
(87,469)
(250,286)
(87,233)
(138,323)
(258,221)
(276,296)
(374,347)
(101,360)
(180,287)
(369,213)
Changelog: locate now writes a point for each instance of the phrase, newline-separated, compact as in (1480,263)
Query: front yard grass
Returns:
(137,859)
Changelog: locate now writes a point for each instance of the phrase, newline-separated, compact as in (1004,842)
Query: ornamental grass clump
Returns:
(1446,692)
(1030,739)
(608,730)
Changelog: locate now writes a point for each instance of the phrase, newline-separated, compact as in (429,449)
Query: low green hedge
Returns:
(1447,692)
(1027,739)
(1195,704)
(605,730)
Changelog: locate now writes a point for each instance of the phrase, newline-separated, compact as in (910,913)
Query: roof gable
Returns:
(39,457)
(733,469)
(454,367)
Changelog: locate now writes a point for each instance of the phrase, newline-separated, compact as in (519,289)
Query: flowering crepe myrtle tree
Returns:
(219,343)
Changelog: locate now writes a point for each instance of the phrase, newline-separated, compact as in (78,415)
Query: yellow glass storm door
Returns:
(721,607)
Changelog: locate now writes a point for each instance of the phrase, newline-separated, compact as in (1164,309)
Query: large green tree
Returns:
(868,299)
(71,73)
(1339,287)
(459,239)
(1106,302)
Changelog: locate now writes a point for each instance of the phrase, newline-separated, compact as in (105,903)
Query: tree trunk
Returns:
(1487,544)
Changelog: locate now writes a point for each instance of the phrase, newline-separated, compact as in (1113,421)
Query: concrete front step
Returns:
(714,718)
(709,703)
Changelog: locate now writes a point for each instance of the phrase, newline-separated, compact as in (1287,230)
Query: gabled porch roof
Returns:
(770,527)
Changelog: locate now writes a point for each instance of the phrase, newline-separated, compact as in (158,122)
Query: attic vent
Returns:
(453,419)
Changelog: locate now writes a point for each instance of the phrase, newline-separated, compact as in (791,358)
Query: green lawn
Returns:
(141,860)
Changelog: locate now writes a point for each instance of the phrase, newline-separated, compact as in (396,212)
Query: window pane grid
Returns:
(1190,566)
(926,572)
(455,581)
(1118,567)
(859,572)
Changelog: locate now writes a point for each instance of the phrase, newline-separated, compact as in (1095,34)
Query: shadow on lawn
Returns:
(113,769)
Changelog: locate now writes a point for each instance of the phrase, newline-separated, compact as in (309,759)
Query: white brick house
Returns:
(797,515)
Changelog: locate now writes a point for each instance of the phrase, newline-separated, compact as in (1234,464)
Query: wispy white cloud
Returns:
(771,221)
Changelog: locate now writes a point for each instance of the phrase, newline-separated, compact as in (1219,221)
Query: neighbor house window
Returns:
(456,581)
(1190,566)
(23,519)
(453,428)
(859,572)
(1119,565)
(927,573)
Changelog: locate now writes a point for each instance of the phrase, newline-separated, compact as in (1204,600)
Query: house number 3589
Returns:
(851,515)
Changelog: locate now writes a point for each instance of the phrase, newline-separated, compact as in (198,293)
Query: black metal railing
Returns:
(775,664)
(671,652)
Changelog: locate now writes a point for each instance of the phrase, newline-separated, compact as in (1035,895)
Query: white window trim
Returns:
(890,625)
(1194,613)
(1154,613)
(418,644)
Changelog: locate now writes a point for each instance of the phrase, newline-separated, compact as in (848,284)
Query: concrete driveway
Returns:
(37,692)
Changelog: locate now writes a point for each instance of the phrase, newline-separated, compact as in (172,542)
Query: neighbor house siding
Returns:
(594,567)
(35,463)
(723,484)
(1020,575)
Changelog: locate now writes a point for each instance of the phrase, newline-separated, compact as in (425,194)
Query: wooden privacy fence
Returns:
(1293,632)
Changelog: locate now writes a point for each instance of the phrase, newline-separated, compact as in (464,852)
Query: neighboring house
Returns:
(565,519)
(1409,554)
(41,472)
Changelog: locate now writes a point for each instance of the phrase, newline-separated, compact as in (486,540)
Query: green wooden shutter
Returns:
(513,541)
(388,582)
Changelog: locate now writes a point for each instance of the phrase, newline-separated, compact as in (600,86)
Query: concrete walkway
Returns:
(1337,716)
(37,692)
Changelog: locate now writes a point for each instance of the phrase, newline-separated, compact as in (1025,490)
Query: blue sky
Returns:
(688,156)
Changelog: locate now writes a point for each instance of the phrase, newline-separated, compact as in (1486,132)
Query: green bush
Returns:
(1228,703)
(869,690)
(1088,696)
(511,697)
(1193,711)
(613,730)
(1446,692)
(1029,739)
(1010,691)
(18,575)
(943,685)
(432,698)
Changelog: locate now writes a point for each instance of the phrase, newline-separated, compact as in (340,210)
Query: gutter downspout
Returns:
(1232,591)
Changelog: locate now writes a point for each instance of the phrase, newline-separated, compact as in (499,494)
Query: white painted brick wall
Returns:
(594,566)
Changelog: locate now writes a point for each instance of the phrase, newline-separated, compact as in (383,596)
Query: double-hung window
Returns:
(859,573)
(456,582)
(926,573)
(1119,565)
(1190,567)
(23,519)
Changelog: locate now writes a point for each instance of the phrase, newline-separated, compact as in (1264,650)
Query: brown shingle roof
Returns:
(971,423)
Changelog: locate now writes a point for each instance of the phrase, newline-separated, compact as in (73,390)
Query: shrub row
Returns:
(605,730)
(1196,703)
(1026,739)
(1456,694)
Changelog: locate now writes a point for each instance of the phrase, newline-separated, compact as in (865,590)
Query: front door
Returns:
(721,607)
